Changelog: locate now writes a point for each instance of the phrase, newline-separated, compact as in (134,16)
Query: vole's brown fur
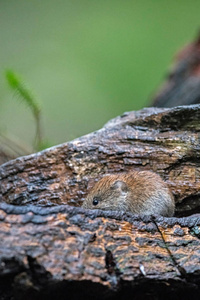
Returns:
(141,192)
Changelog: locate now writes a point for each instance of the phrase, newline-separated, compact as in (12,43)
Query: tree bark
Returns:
(76,254)
(66,250)
(182,85)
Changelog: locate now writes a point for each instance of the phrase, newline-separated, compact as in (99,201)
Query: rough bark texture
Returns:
(182,86)
(65,252)
(163,140)
(76,254)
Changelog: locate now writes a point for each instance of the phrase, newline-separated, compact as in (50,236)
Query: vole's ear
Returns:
(120,185)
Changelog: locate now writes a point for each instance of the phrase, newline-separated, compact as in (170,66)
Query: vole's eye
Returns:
(95,201)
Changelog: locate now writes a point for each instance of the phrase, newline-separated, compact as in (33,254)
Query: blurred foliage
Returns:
(10,146)
(26,96)
(88,60)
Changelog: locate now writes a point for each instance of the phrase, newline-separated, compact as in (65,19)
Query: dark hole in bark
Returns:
(189,206)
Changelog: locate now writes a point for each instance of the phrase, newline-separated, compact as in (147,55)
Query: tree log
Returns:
(49,246)
(163,140)
(182,85)
(76,253)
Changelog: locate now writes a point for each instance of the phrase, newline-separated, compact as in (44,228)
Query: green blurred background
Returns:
(87,61)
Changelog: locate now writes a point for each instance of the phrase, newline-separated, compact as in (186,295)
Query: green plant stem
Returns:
(16,84)
(38,136)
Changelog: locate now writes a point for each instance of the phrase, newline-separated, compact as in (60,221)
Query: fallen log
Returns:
(163,140)
(49,246)
(182,83)
(94,254)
